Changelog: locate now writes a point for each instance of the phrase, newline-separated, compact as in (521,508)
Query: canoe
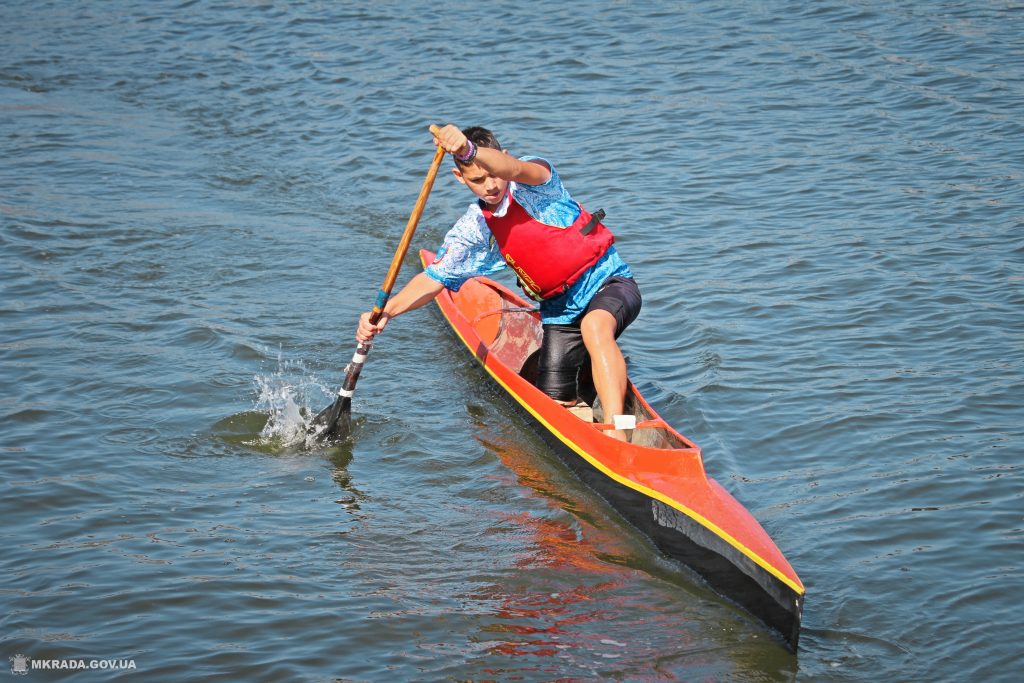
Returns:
(655,480)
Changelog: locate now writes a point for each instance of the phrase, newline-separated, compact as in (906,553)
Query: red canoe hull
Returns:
(657,481)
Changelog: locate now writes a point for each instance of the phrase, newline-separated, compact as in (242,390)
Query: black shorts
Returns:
(564,364)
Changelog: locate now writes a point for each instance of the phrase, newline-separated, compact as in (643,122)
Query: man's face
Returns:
(487,187)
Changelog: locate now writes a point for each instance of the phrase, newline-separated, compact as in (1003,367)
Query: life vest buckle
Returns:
(595,219)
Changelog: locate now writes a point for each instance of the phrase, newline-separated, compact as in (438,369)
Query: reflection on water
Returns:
(591,578)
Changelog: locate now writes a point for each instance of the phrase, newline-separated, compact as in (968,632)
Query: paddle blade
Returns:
(333,422)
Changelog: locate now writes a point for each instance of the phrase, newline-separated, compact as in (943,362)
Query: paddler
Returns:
(563,256)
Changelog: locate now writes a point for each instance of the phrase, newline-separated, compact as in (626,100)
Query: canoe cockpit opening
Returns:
(650,430)
(511,330)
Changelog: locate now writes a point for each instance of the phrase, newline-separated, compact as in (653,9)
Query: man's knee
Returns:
(598,326)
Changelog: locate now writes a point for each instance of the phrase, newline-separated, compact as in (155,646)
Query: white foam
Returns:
(285,395)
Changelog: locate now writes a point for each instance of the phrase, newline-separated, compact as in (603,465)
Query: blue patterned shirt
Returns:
(469,249)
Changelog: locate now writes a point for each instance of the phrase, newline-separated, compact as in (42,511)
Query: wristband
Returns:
(470,155)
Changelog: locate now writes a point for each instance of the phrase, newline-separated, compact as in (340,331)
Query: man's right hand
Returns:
(451,140)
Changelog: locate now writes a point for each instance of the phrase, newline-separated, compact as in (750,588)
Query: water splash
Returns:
(290,396)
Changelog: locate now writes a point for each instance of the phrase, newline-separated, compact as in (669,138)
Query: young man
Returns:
(524,218)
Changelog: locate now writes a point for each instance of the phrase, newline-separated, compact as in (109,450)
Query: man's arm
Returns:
(418,292)
(496,162)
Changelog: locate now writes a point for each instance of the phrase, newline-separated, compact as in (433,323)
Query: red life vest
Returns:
(547,259)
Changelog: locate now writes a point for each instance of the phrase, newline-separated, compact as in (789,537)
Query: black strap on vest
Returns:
(595,218)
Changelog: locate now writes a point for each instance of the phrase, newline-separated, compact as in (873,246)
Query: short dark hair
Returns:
(481,137)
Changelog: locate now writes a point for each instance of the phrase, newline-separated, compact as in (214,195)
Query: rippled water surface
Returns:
(823,205)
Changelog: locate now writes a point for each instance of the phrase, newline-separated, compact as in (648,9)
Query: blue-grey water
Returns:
(823,204)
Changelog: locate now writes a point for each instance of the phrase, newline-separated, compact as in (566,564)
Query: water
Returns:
(823,205)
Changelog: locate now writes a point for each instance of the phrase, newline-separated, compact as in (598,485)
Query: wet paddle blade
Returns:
(333,422)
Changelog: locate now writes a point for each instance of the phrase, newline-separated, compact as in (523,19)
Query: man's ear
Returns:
(457,172)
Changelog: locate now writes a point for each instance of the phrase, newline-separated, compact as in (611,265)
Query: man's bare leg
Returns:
(607,364)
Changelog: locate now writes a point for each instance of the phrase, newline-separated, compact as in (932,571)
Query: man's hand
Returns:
(451,140)
(367,330)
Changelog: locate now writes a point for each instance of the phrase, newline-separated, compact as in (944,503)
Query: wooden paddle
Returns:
(335,421)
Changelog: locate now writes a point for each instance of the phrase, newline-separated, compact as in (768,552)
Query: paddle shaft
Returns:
(342,405)
(403,245)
